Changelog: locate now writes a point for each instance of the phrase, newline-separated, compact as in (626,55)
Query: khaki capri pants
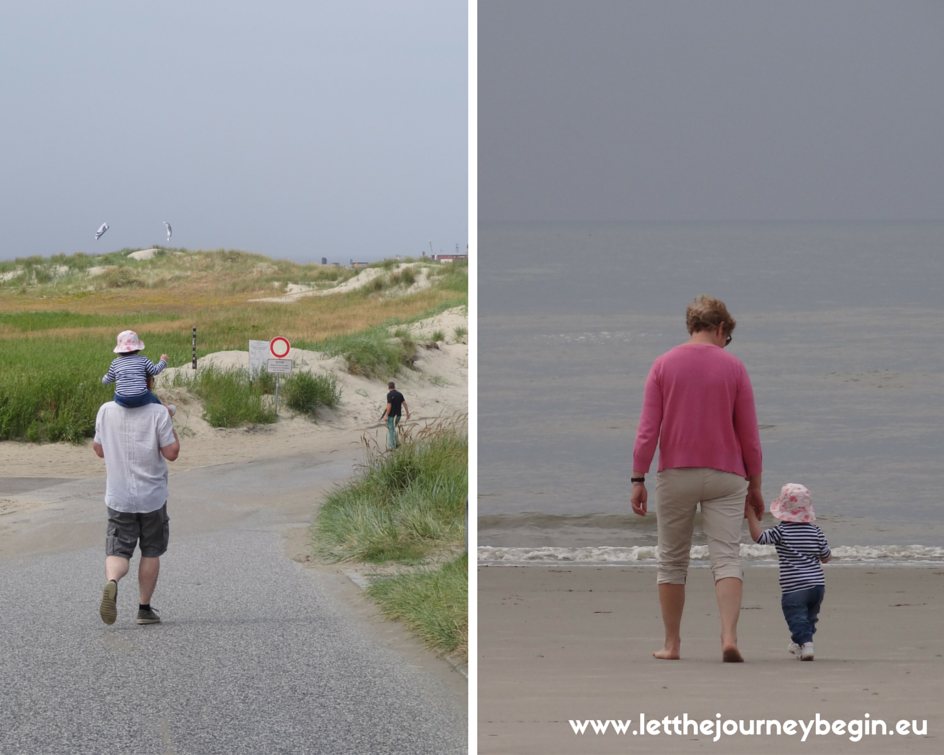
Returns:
(722,496)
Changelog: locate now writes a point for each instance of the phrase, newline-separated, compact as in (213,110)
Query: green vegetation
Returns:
(372,353)
(403,506)
(434,604)
(405,276)
(305,392)
(461,333)
(47,396)
(32,321)
(456,277)
(229,397)
(439,336)
(408,507)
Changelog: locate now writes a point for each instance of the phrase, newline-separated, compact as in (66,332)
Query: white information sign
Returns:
(279,366)
(258,355)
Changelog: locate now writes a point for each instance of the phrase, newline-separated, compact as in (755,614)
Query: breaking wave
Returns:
(648,554)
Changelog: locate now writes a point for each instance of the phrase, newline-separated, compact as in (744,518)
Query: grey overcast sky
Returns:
(710,110)
(297,129)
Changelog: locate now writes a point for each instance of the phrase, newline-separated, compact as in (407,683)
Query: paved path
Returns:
(255,654)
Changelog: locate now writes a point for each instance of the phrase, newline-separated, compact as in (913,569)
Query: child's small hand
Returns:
(164,357)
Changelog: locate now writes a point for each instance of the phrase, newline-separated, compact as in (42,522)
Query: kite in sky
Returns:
(100,231)
(169,232)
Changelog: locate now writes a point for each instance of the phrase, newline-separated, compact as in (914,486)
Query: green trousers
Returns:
(392,423)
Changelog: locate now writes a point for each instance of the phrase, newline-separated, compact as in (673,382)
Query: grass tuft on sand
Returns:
(230,398)
(306,393)
(372,353)
(432,603)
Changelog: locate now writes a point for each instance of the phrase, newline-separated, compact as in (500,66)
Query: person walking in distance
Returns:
(136,445)
(392,414)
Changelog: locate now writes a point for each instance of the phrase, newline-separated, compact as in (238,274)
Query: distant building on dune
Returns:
(452,257)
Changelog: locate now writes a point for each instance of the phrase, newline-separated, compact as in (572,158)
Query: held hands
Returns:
(640,498)
(755,502)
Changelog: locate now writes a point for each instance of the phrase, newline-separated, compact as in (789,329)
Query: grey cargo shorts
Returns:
(126,529)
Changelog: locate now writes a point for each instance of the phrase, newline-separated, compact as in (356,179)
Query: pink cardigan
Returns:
(701,399)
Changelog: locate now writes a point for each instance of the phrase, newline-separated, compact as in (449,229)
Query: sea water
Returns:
(840,326)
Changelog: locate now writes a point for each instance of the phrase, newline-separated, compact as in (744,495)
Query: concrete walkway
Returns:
(256,654)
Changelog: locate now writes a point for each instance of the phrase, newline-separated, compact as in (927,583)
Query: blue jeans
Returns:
(392,423)
(801,610)
(133,402)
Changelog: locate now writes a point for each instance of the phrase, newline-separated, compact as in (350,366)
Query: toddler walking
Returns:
(130,371)
(802,547)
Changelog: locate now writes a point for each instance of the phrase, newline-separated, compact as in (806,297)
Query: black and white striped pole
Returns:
(195,347)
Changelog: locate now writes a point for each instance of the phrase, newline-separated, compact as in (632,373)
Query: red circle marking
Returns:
(272,347)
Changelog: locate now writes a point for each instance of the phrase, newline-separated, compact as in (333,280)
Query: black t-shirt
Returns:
(395,399)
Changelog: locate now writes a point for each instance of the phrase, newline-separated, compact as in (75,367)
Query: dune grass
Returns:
(433,604)
(306,393)
(373,353)
(403,506)
(229,397)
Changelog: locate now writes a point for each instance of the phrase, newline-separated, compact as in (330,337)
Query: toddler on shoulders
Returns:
(130,371)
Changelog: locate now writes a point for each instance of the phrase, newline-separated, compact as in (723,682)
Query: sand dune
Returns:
(296,292)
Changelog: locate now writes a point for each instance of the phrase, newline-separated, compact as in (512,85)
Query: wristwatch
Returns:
(637,479)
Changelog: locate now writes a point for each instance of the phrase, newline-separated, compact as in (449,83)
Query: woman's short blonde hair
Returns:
(707,313)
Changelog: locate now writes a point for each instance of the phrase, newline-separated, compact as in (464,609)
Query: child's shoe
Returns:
(806,652)
(794,649)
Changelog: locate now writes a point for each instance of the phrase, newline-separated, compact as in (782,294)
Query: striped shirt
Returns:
(129,373)
(800,547)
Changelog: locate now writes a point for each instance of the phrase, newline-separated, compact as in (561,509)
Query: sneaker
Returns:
(172,409)
(148,617)
(109,607)
(806,652)
(794,649)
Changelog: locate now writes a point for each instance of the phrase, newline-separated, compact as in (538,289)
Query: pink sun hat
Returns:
(128,341)
(793,505)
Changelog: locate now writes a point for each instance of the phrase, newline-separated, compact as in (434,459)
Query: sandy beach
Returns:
(562,643)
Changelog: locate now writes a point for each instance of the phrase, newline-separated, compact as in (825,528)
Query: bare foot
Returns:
(731,655)
(667,654)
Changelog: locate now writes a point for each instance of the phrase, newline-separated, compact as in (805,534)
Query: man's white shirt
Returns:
(132,440)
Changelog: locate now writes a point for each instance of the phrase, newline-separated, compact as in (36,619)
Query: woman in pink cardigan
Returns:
(699,408)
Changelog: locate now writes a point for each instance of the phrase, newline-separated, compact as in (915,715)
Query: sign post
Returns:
(195,347)
(279,348)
